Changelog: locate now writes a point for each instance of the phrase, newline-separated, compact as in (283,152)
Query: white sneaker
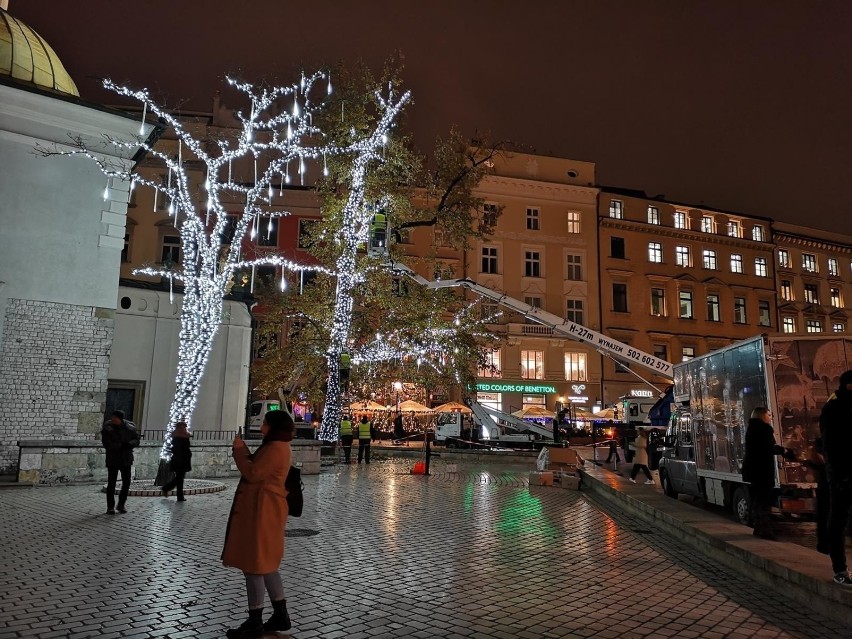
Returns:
(650,481)
(632,480)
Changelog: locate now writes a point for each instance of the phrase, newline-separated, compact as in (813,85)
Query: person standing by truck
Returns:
(640,457)
(835,424)
(759,469)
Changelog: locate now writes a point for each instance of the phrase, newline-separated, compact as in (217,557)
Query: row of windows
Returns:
(709,259)
(686,306)
(788,325)
(532,365)
(532,263)
(810,263)
(681,220)
(812,294)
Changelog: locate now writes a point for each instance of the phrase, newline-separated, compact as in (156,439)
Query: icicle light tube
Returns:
(279,136)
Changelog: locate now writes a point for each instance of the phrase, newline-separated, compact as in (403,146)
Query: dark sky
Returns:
(738,105)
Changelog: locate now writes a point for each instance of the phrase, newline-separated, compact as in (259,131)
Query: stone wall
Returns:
(71,461)
(54,362)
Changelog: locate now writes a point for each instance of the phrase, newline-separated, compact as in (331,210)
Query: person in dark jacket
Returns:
(399,429)
(759,469)
(816,462)
(835,424)
(181,461)
(119,437)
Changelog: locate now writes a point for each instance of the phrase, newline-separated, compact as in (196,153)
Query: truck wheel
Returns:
(668,489)
(740,506)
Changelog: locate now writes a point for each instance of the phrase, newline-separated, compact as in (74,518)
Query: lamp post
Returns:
(397,387)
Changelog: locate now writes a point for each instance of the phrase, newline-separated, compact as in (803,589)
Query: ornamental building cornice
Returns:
(655,230)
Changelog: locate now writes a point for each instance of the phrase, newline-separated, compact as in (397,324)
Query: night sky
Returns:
(743,106)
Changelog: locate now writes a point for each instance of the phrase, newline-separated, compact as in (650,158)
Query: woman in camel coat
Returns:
(254,540)
(640,457)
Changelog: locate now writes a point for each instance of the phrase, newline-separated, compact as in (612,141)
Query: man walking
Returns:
(119,438)
(346,438)
(835,425)
(364,438)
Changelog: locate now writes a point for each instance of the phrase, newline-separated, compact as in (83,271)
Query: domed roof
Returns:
(26,57)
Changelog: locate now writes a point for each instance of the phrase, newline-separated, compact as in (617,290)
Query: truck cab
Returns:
(678,470)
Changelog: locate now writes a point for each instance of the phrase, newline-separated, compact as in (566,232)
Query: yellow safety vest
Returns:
(345,427)
(364,430)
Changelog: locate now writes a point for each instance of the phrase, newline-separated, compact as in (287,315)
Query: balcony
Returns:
(530,329)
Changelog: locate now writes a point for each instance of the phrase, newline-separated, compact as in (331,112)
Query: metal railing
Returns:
(197,435)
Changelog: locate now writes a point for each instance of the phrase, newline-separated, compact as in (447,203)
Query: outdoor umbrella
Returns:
(533,411)
(452,407)
(606,413)
(369,406)
(411,406)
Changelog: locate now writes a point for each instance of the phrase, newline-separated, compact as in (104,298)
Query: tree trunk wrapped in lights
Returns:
(277,135)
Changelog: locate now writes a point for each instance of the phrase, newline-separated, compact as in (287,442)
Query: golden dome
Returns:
(26,57)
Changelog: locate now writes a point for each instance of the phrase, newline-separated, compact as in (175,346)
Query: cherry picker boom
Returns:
(615,350)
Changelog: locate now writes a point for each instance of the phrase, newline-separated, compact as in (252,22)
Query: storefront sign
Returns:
(641,392)
(514,387)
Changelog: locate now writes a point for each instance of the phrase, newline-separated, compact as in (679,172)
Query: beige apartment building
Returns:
(678,281)
(814,279)
(543,252)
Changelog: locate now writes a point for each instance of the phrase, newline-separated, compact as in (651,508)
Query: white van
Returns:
(259,408)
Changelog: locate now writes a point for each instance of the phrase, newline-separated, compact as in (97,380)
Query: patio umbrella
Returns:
(369,406)
(452,407)
(410,406)
(606,413)
(533,411)
(579,413)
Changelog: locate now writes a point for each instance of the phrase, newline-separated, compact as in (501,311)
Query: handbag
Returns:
(295,498)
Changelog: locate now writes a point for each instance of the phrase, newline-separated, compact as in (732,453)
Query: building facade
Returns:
(678,281)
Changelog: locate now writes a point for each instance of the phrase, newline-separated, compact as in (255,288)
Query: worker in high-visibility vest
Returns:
(364,436)
(346,438)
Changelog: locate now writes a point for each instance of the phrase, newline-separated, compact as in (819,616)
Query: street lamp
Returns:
(397,387)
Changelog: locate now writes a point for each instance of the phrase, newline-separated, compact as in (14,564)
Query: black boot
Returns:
(280,620)
(250,628)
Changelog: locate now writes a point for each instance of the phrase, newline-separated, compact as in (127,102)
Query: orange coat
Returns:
(254,540)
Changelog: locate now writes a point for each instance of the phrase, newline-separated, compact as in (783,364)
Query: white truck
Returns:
(714,395)
(489,428)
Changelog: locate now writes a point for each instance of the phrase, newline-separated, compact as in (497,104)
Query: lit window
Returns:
(682,257)
(685,299)
(788,324)
(833,268)
(740,310)
(658,302)
(786,290)
(707,225)
(680,220)
(760,267)
(757,233)
(490,363)
(736,263)
(838,327)
(812,293)
(619,298)
(575,367)
(763,317)
(713,308)
(574,311)
(687,353)
(809,262)
(653,215)
(616,209)
(171,250)
(575,268)
(655,252)
(710,260)
(533,219)
(573,222)
(836,301)
(783,258)
(532,264)
(532,364)
(813,326)
(489,259)
(734,229)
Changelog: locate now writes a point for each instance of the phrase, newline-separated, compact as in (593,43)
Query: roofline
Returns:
(661,198)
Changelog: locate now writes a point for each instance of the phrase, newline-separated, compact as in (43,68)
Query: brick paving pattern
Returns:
(469,554)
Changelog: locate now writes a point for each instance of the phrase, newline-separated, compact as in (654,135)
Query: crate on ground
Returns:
(564,461)
(541,478)
(570,482)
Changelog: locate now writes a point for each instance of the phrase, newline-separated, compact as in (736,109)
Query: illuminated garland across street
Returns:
(277,134)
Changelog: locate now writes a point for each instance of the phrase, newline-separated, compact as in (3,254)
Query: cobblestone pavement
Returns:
(470,554)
